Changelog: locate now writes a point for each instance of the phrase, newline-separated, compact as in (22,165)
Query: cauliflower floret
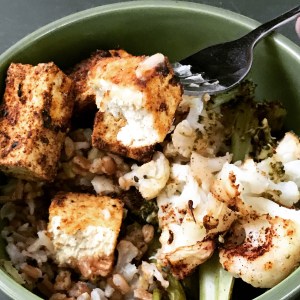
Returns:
(150,271)
(285,163)
(292,171)
(289,148)
(104,185)
(248,179)
(267,179)
(144,283)
(183,138)
(97,294)
(254,250)
(205,168)
(126,253)
(200,131)
(137,280)
(184,135)
(189,218)
(149,178)
(262,194)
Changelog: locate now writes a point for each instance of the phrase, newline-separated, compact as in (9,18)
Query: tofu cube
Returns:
(85,95)
(137,97)
(34,117)
(84,229)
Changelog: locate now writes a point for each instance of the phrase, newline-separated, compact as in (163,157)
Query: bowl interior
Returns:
(176,29)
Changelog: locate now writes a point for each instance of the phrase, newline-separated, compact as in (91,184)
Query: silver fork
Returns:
(220,67)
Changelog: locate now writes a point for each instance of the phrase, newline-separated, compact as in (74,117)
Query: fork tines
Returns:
(194,83)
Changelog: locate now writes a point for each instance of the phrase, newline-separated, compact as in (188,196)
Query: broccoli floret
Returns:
(244,89)
(250,125)
(244,124)
(157,294)
(145,211)
(175,290)
(148,212)
(229,122)
(274,112)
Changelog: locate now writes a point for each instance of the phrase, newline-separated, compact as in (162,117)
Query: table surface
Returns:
(19,18)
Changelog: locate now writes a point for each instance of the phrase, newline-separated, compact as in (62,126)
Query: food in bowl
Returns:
(129,213)
(36,112)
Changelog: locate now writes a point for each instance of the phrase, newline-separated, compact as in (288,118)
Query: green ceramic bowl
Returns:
(176,29)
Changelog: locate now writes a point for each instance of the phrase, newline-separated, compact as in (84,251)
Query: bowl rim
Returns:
(250,23)
(7,284)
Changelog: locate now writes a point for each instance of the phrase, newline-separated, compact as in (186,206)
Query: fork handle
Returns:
(261,31)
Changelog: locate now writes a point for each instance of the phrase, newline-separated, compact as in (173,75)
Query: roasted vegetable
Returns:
(145,211)
(175,290)
(214,282)
(249,124)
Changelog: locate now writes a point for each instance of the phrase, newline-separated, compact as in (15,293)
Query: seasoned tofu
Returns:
(85,95)
(84,230)
(34,117)
(137,97)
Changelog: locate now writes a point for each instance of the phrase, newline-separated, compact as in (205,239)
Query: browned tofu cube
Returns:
(34,117)
(84,230)
(85,95)
(137,97)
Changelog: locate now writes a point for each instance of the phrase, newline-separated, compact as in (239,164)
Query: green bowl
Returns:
(176,29)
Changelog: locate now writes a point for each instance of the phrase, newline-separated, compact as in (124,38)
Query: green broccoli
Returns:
(249,124)
(144,210)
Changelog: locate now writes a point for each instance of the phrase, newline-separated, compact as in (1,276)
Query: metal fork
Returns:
(220,67)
